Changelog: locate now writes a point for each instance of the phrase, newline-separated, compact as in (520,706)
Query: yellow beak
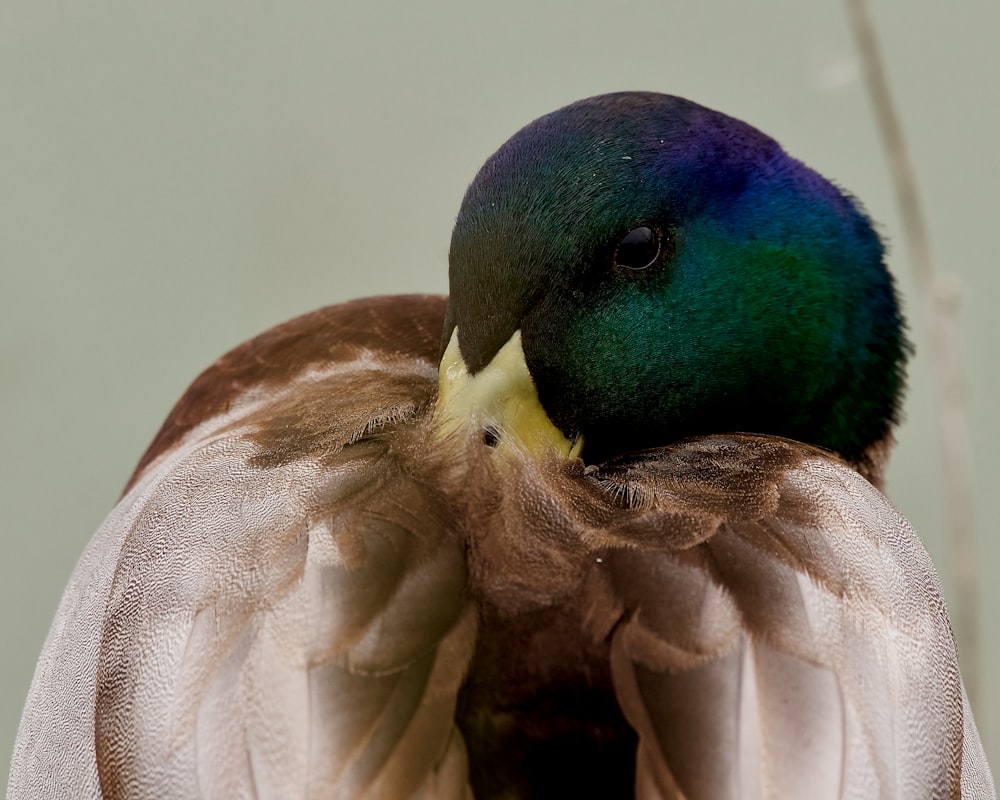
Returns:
(500,401)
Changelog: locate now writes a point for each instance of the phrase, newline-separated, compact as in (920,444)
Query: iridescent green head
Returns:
(673,272)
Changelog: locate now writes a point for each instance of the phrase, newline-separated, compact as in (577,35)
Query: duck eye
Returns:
(638,249)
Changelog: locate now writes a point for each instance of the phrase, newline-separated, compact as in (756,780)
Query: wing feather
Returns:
(284,603)
(277,607)
(803,649)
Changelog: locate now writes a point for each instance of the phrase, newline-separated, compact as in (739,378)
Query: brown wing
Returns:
(276,607)
(796,645)
(775,628)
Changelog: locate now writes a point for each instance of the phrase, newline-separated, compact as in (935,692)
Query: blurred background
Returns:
(176,177)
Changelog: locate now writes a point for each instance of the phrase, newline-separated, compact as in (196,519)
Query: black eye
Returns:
(638,249)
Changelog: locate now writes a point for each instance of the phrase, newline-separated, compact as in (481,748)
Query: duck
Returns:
(606,521)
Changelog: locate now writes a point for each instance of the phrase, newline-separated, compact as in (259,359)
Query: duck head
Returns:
(634,269)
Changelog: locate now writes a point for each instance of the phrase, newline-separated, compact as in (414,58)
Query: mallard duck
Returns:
(605,522)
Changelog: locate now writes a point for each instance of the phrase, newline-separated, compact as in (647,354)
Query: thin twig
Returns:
(939,304)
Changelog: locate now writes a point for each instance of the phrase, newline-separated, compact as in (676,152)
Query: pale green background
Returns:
(175,177)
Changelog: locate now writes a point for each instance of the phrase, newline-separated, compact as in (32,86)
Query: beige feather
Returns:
(306,593)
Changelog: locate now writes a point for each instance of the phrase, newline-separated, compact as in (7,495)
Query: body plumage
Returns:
(616,531)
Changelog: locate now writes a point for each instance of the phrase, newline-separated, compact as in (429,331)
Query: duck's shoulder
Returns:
(397,337)
(787,611)
(276,552)
(770,618)
(819,510)
(800,519)
(741,479)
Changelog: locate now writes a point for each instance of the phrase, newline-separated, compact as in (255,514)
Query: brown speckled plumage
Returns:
(299,583)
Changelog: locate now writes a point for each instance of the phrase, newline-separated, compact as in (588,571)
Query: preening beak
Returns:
(500,401)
